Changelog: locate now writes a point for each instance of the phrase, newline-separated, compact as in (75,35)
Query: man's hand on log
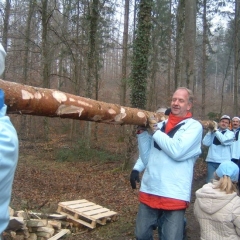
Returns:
(213,127)
(152,124)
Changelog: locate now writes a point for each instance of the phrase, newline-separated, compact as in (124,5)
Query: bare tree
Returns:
(6,28)
(185,43)
(204,57)
(124,54)
(236,55)
(189,43)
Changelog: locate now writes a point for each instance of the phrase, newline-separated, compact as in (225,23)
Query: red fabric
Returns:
(174,120)
(164,203)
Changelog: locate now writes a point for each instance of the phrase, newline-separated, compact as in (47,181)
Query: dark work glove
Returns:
(133,178)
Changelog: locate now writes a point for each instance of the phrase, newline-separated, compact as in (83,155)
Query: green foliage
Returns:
(141,48)
(213,116)
(80,152)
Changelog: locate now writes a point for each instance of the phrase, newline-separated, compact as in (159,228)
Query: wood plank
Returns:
(94,212)
(49,230)
(90,208)
(80,205)
(60,234)
(72,209)
(37,223)
(106,214)
(90,225)
(55,224)
(72,202)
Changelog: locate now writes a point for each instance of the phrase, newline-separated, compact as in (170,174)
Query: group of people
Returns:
(168,151)
(223,144)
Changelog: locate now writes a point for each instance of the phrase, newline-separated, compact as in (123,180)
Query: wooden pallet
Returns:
(86,213)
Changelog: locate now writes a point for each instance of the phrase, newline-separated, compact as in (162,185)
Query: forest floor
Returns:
(42,181)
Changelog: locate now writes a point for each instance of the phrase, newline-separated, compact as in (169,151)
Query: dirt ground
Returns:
(41,182)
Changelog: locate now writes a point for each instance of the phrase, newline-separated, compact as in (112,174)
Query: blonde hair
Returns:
(225,184)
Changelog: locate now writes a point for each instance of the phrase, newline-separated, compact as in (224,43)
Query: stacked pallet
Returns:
(86,213)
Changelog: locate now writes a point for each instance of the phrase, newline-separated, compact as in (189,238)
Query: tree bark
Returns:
(236,56)
(179,43)
(124,55)
(204,58)
(140,58)
(6,28)
(29,100)
(25,99)
(189,44)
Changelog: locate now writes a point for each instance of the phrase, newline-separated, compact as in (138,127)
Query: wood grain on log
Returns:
(29,100)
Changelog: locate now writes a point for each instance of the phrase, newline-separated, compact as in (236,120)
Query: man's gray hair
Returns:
(190,93)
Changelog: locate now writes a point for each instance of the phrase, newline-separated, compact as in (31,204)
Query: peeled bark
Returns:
(29,100)
(24,99)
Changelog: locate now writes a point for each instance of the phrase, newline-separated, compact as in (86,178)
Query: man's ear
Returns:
(189,106)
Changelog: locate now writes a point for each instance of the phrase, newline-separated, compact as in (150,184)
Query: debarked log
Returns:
(29,100)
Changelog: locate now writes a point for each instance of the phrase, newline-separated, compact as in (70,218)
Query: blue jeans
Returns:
(171,223)
(211,168)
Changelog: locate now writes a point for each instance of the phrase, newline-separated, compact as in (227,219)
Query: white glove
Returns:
(213,127)
(152,124)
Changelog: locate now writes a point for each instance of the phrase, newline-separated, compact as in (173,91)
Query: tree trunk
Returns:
(169,61)
(236,55)
(29,100)
(204,57)
(179,43)
(6,27)
(24,125)
(141,54)
(24,99)
(124,55)
(189,43)
(45,55)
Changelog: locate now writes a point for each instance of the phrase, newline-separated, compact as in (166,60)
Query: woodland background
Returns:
(131,52)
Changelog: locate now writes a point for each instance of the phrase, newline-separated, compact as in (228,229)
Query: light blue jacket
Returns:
(219,147)
(236,145)
(139,166)
(169,171)
(8,163)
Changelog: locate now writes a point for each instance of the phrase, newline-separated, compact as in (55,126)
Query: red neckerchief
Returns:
(174,120)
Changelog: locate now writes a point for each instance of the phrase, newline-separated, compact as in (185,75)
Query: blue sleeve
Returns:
(208,139)
(139,165)
(144,145)
(225,139)
(185,143)
(8,163)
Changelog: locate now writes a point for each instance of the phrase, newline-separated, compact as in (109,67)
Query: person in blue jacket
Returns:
(8,155)
(134,179)
(236,143)
(168,151)
(219,139)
